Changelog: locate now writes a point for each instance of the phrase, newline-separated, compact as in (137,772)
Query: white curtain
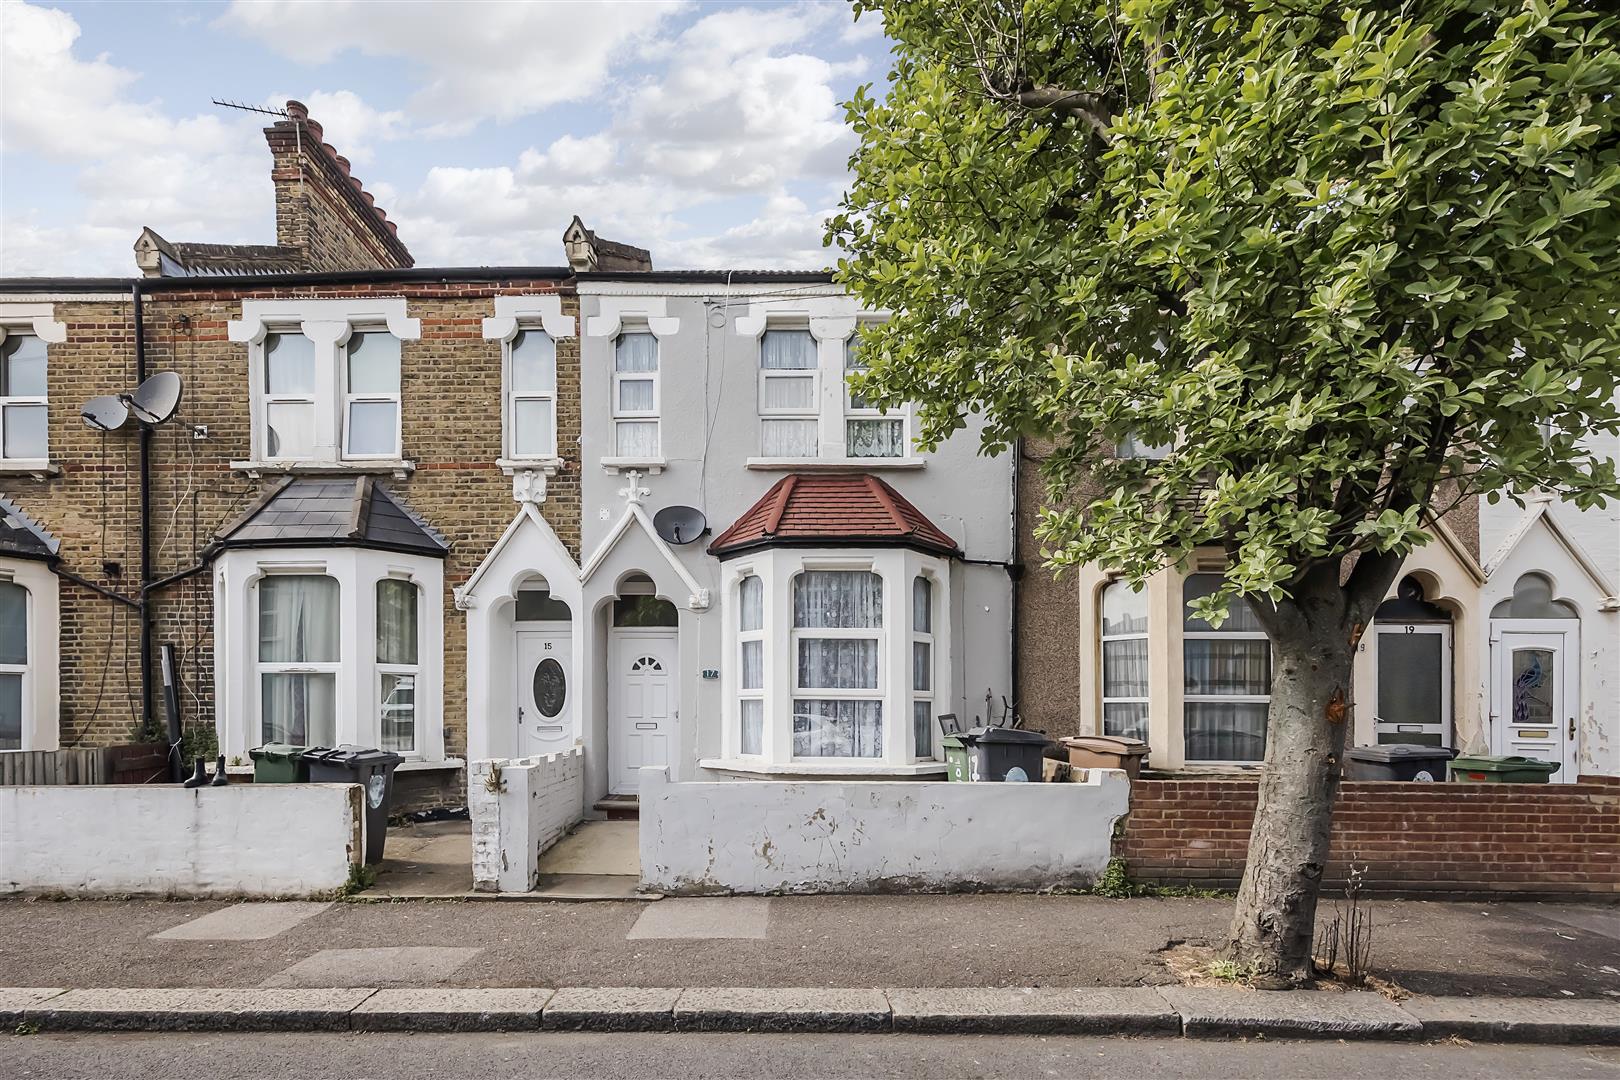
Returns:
(636,439)
(922,665)
(789,439)
(874,438)
(1126,719)
(753,726)
(843,599)
(922,727)
(300,709)
(298,624)
(751,599)
(635,395)
(838,663)
(396,621)
(1125,668)
(851,729)
(1214,667)
(753,665)
(635,352)
(922,605)
(789,393)
(787,350)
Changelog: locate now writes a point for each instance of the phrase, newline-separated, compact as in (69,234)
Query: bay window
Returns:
(23,401)
(13,664)
(635,396)
(789,394)
(1124,641)
(751,665)
(837,633)
(298,659)
(1227,680)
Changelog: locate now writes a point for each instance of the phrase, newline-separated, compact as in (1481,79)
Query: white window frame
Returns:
(39,321)
(350,398)
(640,416)
(413,670)
(1103,639)
(744,638)
(512,395)
(919,696)
(266,399)
(528,312)
(878,635)
(809,414)
(41,673)
(899,417)
(1218,699)
(328,324)
(264,667)
(238,716)
(24,669)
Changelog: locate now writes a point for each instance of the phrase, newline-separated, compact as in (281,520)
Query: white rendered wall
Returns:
(257,840)
(875,836)
(519,808)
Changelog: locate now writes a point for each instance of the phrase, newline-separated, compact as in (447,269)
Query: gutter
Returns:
(430,275)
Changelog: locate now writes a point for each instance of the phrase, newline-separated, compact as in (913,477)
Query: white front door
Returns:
(1535,691)
(545,709)
(644,705)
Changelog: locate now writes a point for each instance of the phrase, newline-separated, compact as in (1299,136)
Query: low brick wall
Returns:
(1430,839)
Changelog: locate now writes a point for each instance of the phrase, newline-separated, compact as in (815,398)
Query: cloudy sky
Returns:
(711,133)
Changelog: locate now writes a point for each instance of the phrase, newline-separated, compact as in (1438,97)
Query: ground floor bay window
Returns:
(837,657)
(322,646)
(29,662)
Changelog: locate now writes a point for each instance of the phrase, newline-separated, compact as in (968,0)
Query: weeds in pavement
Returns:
(1115,883)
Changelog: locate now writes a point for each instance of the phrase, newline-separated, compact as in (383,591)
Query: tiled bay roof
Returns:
(22,537)
(325,511)
(835,510)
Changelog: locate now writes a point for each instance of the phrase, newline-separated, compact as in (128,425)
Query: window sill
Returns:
(548,466)
(760,767)
(650,466)
(397,468)
(38,468)
(842,465)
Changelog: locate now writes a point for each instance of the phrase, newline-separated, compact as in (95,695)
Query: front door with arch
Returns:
(545,711)
(644,705)
(1535,691)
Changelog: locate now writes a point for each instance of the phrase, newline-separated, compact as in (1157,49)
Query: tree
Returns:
(1357,262)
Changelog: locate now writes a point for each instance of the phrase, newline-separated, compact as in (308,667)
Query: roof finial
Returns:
(634,492)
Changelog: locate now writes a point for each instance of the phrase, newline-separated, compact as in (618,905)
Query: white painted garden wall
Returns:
(519,808)
(875,836)
(256,840)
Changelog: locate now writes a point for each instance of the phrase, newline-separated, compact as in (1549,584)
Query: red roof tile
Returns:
(836,510)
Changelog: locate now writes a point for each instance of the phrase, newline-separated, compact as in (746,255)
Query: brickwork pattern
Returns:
(1437,839)
(451,393)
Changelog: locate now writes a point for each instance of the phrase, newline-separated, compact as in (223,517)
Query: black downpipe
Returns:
(144,612)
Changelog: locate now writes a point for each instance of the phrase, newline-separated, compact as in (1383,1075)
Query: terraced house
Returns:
(423,509)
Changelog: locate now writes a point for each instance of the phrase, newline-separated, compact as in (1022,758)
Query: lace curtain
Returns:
(787,350)
(841,599)
(635,353)
(852,729)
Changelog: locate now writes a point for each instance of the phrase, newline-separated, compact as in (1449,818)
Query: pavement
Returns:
(238,1056)
(976,941)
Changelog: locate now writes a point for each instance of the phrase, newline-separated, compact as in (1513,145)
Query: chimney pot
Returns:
(297,110)
(342,163)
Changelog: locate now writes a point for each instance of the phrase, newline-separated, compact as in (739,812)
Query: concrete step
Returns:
(620,807)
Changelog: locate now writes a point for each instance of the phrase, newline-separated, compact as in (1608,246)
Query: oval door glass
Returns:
(550,687)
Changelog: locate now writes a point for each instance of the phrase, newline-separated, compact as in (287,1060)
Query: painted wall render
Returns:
(520,807)
(875,836)
(254,840)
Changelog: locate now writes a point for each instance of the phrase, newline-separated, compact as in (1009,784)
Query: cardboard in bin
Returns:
(1107,752)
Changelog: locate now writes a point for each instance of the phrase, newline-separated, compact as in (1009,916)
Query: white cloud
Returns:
(482,61)
(195,177)
(349,123)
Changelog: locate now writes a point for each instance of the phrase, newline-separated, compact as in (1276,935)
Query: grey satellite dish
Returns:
(680,524)
(105,413)
(156,399)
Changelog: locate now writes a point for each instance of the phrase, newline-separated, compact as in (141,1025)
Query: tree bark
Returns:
(1313,641)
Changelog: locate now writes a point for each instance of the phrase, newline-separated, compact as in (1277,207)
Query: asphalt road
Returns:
(638,1057)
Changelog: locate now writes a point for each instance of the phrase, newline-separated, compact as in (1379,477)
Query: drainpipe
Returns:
(148,715)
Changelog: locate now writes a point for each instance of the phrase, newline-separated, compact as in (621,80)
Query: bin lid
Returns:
(1003,735)
(348,754)
(1107,744)
(1388,752)
(1514,763)
(276,750)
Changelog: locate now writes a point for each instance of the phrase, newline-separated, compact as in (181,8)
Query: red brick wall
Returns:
(1459,839)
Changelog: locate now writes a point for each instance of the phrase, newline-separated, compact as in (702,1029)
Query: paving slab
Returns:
(1534,1020)
(1033,1010)
(244,922)
(617,1008)
(705,918)
(199,1010)
(400,965)
(1297,1014)
(781,1009)
(596,847)
(585,887)
(451,1010)
(15,999)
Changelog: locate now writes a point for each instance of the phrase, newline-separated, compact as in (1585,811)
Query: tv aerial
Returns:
(679,524)
(154,402)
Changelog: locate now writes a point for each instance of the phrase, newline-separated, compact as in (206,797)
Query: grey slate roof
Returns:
(21,536)
(330,511)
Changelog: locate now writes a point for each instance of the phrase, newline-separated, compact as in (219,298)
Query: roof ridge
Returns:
(773,519)
(885,497)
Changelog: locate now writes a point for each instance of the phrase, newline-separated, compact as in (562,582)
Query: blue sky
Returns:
(711,133)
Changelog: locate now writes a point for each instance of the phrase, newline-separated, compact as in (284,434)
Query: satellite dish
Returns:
(105,413)
(679,524)
(156,399)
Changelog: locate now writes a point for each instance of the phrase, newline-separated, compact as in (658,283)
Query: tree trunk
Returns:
(1313,640)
